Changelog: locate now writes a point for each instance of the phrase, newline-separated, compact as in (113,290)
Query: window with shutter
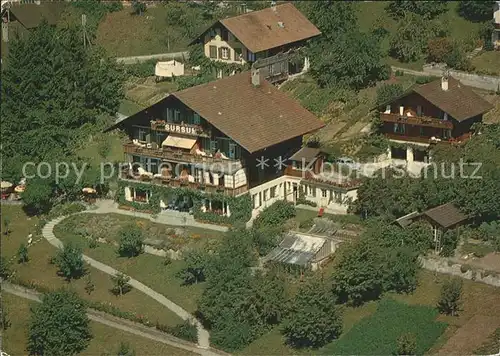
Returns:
(225,53)
(237,54)
(196,119)
(213,51)
(220,53)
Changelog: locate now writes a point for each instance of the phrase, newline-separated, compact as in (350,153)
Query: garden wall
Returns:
(485,82)
(464,271)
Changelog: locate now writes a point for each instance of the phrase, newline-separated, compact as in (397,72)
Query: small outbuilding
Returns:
(301,250)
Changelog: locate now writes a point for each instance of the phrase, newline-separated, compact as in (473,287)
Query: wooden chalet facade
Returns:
(442,111)
(267,39)
(210,138)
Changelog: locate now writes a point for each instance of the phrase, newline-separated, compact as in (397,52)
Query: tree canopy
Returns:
(52,89)
(59,326)
(476,11)
(426,9)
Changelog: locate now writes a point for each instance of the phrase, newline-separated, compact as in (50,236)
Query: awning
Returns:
(179,142)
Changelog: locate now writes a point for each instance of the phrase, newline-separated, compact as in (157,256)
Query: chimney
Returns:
(444,82)
(256,77)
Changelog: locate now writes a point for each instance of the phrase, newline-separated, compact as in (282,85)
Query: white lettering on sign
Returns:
(188,130)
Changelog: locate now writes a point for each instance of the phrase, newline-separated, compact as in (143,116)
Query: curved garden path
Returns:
(107,207)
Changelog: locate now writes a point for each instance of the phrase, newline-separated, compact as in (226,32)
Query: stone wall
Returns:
(445,266)
(485,82)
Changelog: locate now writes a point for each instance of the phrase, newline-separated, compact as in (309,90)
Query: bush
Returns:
(125,350)
(70,262)
(22,254)
(451,293)
(424,79)
(120,284)
(407,344)
(141,69)
(388,92)
(186,330)
(307,224)
(131,241)
(275,214)
(438,49)
(196,265)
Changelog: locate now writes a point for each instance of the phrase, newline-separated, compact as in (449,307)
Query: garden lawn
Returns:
(378,334)
(487,63)
(149,269)
(106,340)
(372,14)
(38,270)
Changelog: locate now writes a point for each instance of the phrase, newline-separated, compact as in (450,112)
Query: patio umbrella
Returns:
(5,185)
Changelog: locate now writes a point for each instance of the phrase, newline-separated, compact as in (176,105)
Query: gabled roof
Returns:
(32,15)
(260,30)
(446,215)
(459,101)
(254,117)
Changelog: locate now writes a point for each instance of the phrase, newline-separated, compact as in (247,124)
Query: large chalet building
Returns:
(442,111)
(266,39)
(232,137)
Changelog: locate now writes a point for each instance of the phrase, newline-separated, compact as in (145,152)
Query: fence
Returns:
(485,82)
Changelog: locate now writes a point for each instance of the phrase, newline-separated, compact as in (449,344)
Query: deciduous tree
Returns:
(59,326)
(70,262)
(451,293)
(314,318)
(426,9)
(476,11)
(22,254)
(388,92)
(131,240)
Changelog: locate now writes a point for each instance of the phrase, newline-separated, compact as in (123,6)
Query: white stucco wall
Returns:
(232,44)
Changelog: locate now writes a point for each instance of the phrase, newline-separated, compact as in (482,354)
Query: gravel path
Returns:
(106,207)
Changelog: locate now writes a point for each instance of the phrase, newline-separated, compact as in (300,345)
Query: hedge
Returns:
(240,207)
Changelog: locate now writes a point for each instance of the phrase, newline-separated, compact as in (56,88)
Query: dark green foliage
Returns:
(95,10)
(410,40)
(384,259)
(196,264)
(53,89)
(22,254)
(314,318)
(394,318)
(476,11)
(426,9)
(266,238)
(388,92)
(70,262)
(451,293)
(138,7)
(120,284)
(424,80)
(449,242)
(275,214)
(141,69)
(131,240)
(407,344)
(125,350)
(342,56)
(186,330)
(37,197)
(59,325)
(89,285)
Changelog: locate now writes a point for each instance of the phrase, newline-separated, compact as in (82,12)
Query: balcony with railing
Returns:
(154,151)
(308,175)
(428,140)
(181,182)
(416,120)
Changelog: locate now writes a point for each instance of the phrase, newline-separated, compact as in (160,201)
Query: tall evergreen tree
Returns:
(52,87)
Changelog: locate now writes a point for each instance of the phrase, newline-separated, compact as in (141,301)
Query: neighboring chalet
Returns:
(266,38)
(442,111)
(18,18)
(495,36)
(226,138)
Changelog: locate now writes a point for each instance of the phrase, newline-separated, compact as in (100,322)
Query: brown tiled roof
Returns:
(306,153)
(31,15)
(259,30)
(254,117)
(459,101)
(446,215)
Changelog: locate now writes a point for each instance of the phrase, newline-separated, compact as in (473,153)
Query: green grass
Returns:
(149,269)
(44,274)
(378,334)
(128,107)
(106,340)
(487,63)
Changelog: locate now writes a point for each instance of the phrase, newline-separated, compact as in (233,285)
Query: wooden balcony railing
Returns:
(170,154)
(417,120)
(184,183)
(309,176)
(459,139)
